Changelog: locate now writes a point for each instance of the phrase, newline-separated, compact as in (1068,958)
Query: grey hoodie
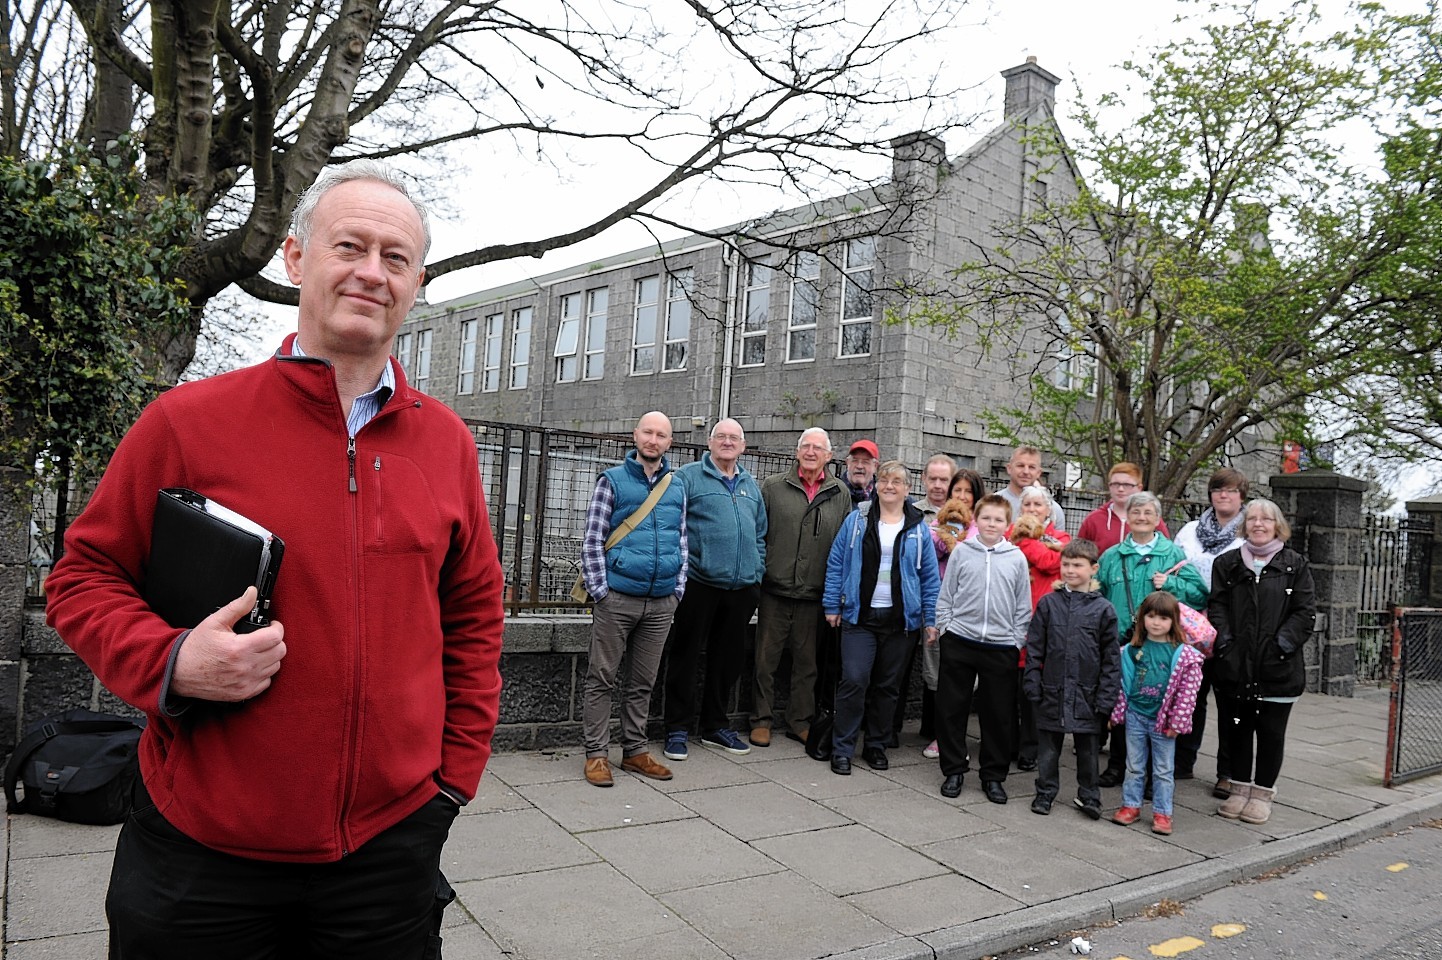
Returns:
(986,594)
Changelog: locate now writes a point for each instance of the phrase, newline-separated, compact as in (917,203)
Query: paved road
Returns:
(1382,899)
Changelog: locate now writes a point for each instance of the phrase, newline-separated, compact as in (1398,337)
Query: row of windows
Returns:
(661,326)
(804,307)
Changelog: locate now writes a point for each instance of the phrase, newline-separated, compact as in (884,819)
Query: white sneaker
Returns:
(931,751)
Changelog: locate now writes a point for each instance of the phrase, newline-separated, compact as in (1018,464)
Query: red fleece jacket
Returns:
(390,597)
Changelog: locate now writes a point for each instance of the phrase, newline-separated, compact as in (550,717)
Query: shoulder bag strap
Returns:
(634,520)
(1127,583)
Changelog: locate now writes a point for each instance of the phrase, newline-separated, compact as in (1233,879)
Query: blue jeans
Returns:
(1143,739)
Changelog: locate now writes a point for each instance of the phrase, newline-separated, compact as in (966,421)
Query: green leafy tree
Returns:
(1228,272)
(88,289)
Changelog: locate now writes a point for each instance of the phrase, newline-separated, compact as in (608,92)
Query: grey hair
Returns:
(1037,492)
(810,430)
(1144,498)
(303,220)
(717,426)
(1268,508)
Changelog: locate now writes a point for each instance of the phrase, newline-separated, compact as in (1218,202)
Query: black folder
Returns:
(202,556)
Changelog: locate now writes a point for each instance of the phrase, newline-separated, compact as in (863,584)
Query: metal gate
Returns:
(1396,563)
(1414,724)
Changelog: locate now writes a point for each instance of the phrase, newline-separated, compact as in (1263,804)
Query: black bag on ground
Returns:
(78,766)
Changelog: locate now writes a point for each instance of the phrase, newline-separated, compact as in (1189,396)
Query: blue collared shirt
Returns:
(368,404)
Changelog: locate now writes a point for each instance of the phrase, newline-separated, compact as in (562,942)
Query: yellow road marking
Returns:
(1223,930)
(1175,946)
(1397,868)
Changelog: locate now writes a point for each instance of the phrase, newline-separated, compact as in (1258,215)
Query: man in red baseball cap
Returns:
(860,474)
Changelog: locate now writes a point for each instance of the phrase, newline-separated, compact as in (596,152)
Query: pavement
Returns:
(770,855)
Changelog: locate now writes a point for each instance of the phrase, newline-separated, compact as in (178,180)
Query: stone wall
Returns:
(543,663)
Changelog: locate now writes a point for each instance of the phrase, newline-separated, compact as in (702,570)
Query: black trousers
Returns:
(1189,744)
(904,687)
(872,660)
(171,898)
(1048,765)
(1025,734)
(1259,723)
(992,674)
(713,620)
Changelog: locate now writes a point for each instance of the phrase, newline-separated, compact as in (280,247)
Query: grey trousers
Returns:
(785,624)
(622,624)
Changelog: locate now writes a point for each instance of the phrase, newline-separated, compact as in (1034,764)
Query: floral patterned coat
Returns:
(1180,698)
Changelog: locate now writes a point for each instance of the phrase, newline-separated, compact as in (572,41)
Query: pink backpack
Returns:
(1197,630)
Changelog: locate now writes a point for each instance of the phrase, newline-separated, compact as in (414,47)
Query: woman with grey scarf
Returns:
(1263,603)
(1203,540)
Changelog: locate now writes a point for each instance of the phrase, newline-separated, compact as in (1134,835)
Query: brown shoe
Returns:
(760,736)
(598,771)
(646,766)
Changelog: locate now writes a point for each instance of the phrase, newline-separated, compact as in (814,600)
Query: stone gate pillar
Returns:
(1329,507)
(1429,589)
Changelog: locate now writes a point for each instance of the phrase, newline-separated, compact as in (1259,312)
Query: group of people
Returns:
(299,777)
(1039,634)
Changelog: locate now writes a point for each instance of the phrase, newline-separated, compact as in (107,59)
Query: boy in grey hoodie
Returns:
(982,616)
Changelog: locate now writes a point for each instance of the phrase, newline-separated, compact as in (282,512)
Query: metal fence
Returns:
(1396,562)
(1414,726)
(538,483)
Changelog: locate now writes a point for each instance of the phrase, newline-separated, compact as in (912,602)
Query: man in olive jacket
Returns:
(804,510)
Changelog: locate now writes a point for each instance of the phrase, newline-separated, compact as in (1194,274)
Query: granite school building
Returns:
(782,332)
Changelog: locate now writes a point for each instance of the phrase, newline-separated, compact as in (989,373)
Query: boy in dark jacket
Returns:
(1072,676)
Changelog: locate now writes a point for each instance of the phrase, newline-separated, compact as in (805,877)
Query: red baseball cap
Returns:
(866,447)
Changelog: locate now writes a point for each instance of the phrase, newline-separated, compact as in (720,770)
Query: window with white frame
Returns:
(757,314)
(859,261)
(520,347)
(404,343)
(1075,367)
(466,381)
(568,339)
(423,360)
(679,286)
(491,353)
(805,303)
(643,332)
(597,303)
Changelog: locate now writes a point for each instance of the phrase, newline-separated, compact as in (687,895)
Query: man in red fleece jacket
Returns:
(301,779)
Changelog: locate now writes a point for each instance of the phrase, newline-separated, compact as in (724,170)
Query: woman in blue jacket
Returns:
(881,589)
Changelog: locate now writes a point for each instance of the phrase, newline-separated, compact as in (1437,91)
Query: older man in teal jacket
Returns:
(726,541)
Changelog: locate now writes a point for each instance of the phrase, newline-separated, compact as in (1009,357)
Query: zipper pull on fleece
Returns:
(350,462)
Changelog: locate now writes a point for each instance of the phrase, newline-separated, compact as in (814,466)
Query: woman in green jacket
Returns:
(1144,561)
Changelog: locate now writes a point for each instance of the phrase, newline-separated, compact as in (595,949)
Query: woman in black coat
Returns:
(1263,604)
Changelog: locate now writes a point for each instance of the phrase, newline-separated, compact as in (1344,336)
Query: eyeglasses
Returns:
(892,482)
(812,448)
(728,437)
(1122,485)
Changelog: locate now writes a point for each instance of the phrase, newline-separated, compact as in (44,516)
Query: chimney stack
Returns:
(1029,86)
